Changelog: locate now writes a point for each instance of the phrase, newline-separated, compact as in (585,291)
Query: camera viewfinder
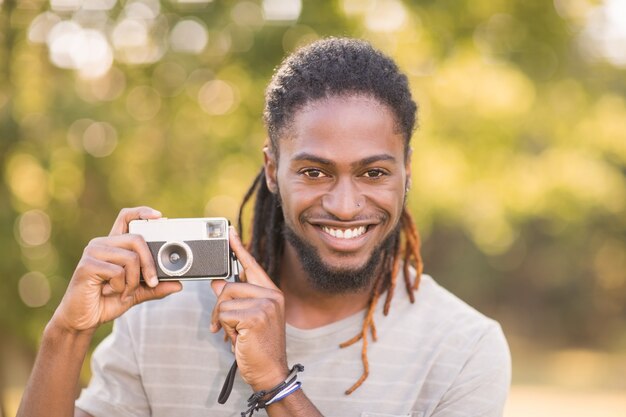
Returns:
(215,230)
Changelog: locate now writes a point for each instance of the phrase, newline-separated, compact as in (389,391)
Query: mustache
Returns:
(373,218)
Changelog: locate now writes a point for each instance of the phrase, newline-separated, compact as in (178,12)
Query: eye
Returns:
(313,173)
(374,173)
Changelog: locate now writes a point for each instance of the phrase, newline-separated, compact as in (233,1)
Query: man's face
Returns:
(342,176)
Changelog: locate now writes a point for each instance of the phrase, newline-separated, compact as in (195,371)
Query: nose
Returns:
(344,200)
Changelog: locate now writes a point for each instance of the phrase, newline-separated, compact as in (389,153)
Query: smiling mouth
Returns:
(344,233)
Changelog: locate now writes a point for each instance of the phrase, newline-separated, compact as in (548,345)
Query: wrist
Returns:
(57,328)
(270,380)
(264,398)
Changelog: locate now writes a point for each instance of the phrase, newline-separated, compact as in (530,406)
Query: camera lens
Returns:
(175,258)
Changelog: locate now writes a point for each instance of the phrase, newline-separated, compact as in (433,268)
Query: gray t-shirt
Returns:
(436,357)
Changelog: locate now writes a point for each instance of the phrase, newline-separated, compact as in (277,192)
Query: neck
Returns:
(308,308)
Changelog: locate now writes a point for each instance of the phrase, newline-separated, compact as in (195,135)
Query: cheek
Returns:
(299,197)
(390,198)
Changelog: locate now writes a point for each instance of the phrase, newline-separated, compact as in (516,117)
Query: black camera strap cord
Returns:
(230,377)
(228,384)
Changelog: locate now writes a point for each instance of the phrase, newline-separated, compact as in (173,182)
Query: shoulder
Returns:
(448,321)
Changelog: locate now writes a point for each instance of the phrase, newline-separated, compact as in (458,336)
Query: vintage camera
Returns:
(185,249)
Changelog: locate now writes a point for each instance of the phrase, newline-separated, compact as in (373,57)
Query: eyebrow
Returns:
(305,156)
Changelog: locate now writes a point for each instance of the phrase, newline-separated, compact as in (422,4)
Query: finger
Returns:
(238,320)
(105,273)
(217,285)
(237,291)
(118,282)
(239,315)
(255,274)
(120,226)
(165,288)
(107,290)
(263,306)
(137,244)
(128,259)
(230,334)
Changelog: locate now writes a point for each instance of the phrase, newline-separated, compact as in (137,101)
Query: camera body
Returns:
(188,248)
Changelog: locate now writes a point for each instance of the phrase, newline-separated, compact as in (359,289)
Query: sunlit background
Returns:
(519,163)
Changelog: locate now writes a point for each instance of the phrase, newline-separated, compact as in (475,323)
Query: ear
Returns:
(270,166)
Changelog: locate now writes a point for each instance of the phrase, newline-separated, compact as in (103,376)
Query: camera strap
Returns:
(228,384)
(230,377)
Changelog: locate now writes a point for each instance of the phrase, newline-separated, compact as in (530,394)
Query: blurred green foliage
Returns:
(518,165)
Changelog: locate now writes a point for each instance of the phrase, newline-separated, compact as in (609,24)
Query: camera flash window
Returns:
(215,230)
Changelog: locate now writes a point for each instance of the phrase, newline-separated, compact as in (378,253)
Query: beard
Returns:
(337,280)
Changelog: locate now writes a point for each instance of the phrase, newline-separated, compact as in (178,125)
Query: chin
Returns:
(339,277)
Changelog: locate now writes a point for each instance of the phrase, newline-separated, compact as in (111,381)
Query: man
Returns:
(330,237)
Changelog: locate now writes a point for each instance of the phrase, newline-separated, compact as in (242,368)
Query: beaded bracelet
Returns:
(280,391)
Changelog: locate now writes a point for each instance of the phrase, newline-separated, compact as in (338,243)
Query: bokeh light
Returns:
(41,26)
(142,9)
(189,36)
(65,5)
(247,14)
(385,15)
(98,4)
(61,39)
(76,131)
(99,139)
(33,228)
(92,54)
(28,180)
(604,36)
(282,10)
(34,289)
(217,97)
(85,50)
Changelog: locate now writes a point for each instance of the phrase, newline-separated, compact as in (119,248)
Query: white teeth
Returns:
(344,233)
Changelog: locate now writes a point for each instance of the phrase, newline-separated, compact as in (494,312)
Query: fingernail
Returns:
(156,212)
(153,281)
(213,328)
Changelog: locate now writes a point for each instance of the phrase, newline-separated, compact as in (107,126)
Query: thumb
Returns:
(163,289)
(217,285)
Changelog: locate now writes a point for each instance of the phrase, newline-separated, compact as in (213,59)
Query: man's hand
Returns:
(252,315)
(106,281)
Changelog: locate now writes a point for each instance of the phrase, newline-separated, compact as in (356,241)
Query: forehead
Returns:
(343,128)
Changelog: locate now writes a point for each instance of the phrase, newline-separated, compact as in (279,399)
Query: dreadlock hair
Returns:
(329,68)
